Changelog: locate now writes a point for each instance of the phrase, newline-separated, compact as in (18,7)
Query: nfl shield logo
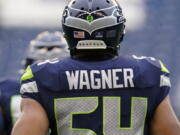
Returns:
(99,34)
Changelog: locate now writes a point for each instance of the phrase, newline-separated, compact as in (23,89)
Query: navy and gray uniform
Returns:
(9,104)
(111,97)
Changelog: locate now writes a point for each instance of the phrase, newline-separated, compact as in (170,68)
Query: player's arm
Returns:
(33,120)
(164,121)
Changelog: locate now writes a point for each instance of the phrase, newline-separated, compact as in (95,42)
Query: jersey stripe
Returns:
(30,87)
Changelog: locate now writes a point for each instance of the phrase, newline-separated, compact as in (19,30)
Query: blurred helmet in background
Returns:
(47,45)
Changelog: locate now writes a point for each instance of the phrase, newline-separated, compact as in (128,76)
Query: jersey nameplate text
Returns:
(100,79)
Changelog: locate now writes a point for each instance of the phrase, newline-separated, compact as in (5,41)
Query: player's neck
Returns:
(94,58)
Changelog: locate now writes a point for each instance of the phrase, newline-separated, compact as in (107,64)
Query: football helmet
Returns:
(93,27)
(47,45)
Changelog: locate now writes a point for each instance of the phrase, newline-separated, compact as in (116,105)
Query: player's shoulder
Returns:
(150,63)
(44,68)
(151,71)
(46,74)
(48,66)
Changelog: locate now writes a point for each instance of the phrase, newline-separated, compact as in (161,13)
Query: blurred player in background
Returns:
(47,45)
(96,92)
(9,105)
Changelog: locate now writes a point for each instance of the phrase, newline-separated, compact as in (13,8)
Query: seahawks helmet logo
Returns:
(93,21)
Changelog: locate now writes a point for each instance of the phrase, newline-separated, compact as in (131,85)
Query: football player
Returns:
(95,91)
(9,104)
(47,45)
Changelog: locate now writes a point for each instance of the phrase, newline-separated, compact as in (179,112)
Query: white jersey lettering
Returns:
(100,79)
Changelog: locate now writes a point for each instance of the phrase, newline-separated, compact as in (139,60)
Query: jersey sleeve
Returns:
(158,72)
(38,78)
(164,84)
(29,87)
(153,74)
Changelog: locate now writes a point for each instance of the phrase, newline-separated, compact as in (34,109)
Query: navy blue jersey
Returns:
(9,103)
(110,97)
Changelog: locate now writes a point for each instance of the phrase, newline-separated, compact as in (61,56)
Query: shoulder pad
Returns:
(46,74)
(154,62)
(150,71)
(37,68)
